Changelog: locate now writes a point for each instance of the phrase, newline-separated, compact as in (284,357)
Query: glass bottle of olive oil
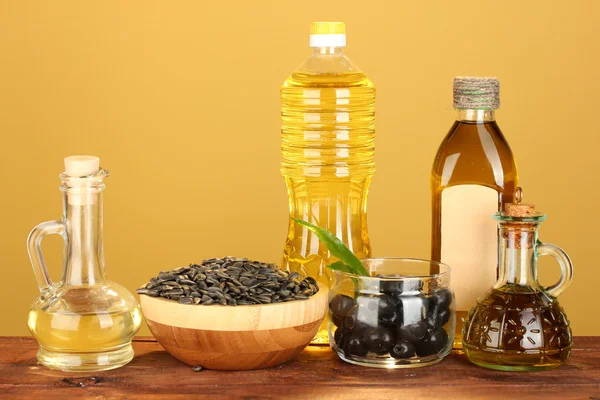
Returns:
(474,174)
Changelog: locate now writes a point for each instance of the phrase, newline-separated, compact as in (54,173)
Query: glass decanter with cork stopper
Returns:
(84,322)
(519,325)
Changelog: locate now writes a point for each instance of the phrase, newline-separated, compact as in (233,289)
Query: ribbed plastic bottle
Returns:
(328,151)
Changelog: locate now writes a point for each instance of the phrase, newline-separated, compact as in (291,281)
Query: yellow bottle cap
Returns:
(327,28)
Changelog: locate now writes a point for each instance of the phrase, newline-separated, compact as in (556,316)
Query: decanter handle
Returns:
(34,247)
(566,267)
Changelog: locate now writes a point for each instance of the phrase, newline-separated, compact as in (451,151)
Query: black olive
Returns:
(441,298)
(403,349)
(339,307)
(378,340)
(413,332)
(396,287)
(386,306)
(444,316)
(399,309)
(437,316)
(351,318)
(353,321)
(390,286)
(356,347)
(339,337)
(434,322)
(432,343)
(392,321)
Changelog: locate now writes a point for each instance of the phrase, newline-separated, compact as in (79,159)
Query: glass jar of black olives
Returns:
(401,316)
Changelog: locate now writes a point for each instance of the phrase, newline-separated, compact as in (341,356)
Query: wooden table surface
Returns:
(316,373)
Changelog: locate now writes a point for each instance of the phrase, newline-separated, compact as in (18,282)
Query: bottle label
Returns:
(469,241)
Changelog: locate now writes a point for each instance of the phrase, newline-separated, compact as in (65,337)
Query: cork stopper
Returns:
(519,210)
(78,166)
(476,93)
(81,167)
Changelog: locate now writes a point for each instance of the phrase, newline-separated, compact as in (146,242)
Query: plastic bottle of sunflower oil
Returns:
(328,152)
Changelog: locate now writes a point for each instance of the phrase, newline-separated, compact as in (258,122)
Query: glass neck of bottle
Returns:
(328,51)
(468,115)
(518,261)
(83,221)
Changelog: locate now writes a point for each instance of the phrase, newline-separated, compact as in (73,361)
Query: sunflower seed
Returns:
(222,275)
(230,281)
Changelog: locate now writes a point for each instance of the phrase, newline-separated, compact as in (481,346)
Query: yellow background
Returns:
(180,99)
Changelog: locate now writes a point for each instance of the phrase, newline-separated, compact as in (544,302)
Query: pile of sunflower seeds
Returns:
(230,281)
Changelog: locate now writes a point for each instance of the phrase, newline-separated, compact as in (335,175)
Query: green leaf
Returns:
(336,247)
(340,266)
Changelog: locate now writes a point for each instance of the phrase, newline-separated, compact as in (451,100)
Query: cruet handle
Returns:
(34,247)
(566,267)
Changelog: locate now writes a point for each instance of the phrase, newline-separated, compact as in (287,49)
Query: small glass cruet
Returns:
(84,322)
(519,325)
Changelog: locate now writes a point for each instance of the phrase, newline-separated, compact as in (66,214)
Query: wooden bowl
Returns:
(235,337)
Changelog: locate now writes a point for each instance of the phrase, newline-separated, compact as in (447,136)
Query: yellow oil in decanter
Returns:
(516,329)
(75,332)
(84,329)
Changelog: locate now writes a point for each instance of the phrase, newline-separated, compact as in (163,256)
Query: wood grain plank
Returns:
(268,392)
(316,373)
